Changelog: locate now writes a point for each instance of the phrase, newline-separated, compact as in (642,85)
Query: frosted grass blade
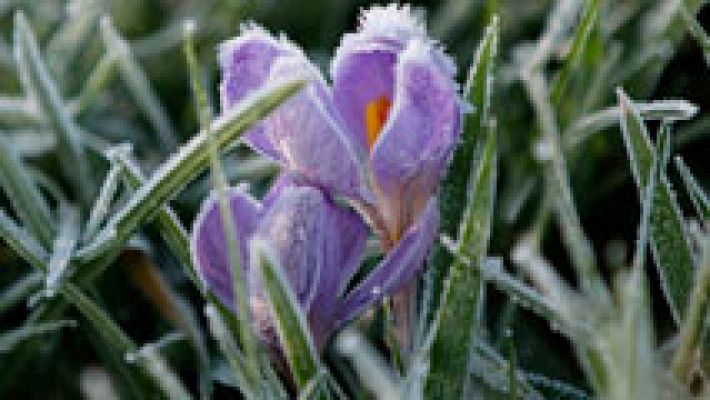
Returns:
(696,194)
(291,324)
(58,267)
(96,82)
(668,110)
(10,339)
(36,78)
(24,195)
(454,189)
(18,111)
(186,164)
(671,253)
(19,290)
(579,44)
(460,305)
(139,85)
(153,366)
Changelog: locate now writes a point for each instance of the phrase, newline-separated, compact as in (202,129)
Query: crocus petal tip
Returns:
(394,21)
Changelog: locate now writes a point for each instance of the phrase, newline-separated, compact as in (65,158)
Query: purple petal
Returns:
(209,245)
(245,64)
(319,245)
(307,136)
(423,126)
(344,248)
(359,78)
(363,68)
(399,266)
(292,227)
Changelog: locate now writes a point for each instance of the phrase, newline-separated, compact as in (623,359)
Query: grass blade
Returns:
(460,306)
(671,253)
(64,244)
(139,85)
(579,44)
(454,189)
(19,290)
(26,200)
(188,163)
(10,339)
(696,194)
(290,322)
(37,79)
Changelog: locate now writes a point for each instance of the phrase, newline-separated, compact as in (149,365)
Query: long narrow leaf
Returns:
(460,306)
(697,195)
(291,324)
(453,195)
(139,85)
(188,163)
(672,255)
(37,79)
(24,195)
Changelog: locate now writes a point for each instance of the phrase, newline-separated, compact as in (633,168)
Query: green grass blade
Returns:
(58,267)
(139,85)
(671,253)
(37,79)
(459,311)
(558,186)
(166,221)
(579,44)
(95,83)
(23,243)
(188,163)
(10,339)
(19,290)
(291,324)
(453,195)
(697,195)
(25,197)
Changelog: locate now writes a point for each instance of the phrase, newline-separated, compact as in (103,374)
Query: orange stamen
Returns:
(376,113)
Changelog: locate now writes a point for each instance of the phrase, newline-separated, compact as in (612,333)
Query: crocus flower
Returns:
(319,245)
(380,137)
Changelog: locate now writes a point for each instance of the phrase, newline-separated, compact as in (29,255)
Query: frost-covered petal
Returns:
(307,136)
(245,64)
(399,266)
(209,245)
(363,69)
(319,244)
(423,124)
(344,248)
(362,78)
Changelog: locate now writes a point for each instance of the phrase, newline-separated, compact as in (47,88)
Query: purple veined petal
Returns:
(307,136)
(398,267)
(209,245)
(318,244)
(245,64)
(344,248)
(293,229)
(360,78)
(246,61)
(424,122)
(363,69)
